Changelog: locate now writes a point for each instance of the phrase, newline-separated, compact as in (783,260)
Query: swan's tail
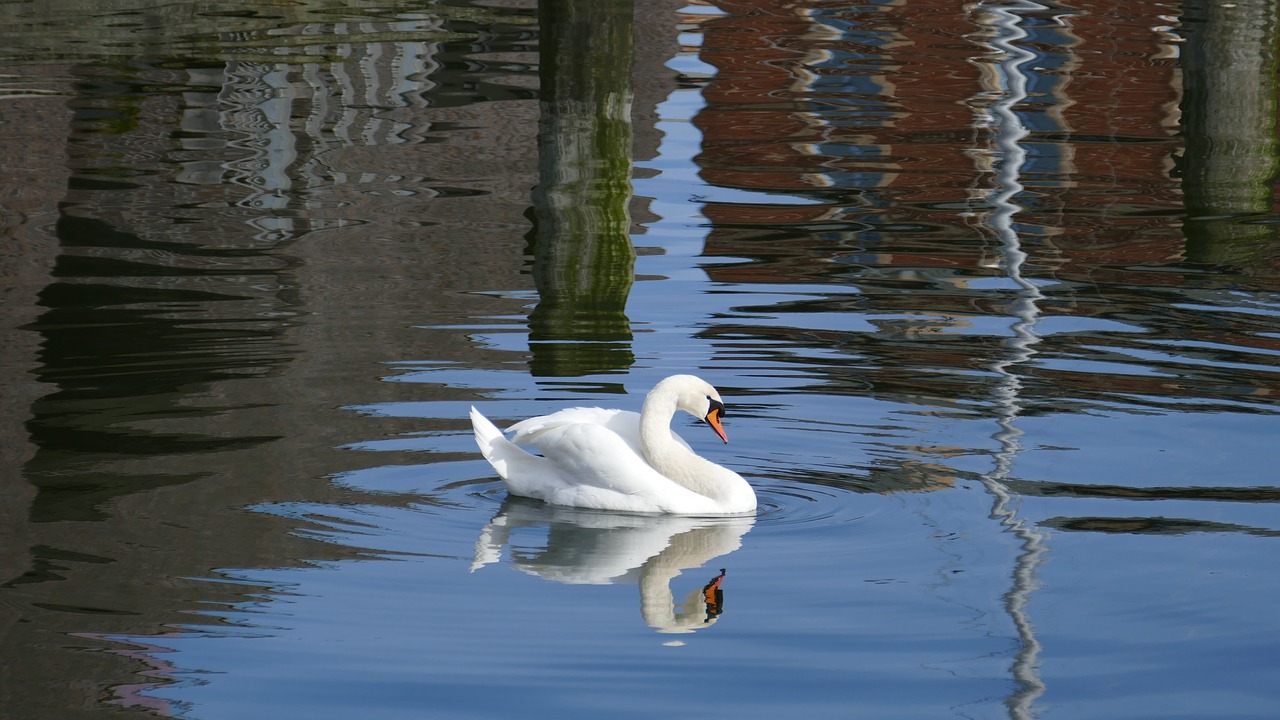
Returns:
(496,448)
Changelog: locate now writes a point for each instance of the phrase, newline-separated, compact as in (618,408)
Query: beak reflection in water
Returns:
(713,595)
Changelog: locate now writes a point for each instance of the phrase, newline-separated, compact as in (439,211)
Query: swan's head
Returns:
(696,397)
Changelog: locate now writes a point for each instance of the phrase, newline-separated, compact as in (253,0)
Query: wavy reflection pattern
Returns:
(1018,255)
(182,338)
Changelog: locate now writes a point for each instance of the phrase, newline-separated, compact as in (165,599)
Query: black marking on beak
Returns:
(714,414)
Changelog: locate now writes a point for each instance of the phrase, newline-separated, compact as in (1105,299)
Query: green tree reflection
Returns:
(583,261)
(1229,121)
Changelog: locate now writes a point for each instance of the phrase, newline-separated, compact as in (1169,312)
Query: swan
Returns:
(619,460)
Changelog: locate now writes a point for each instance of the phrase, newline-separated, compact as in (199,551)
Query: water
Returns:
(992,294)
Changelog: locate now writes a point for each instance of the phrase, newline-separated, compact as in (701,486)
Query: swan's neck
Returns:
(674,460)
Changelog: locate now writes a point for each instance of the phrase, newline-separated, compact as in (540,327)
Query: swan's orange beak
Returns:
(713,419)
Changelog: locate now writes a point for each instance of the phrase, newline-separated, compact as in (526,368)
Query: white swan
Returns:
(618,460)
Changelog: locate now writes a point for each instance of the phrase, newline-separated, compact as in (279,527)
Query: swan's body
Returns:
(619,460)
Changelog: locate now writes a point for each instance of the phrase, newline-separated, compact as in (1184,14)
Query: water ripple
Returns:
(791,505)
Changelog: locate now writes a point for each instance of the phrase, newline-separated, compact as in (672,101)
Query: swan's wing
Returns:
(526,432)
(589,457)
(623,422)
(599,468)
(507,459)
(588,453)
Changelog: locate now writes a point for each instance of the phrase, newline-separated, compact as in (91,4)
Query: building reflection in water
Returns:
(1049,192)
(226,247)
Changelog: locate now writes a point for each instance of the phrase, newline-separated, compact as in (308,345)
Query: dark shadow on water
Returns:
(125,347)
(1152,526)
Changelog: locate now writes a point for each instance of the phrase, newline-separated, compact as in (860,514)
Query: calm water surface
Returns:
(992,291)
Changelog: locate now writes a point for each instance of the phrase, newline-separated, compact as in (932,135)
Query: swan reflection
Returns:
(591,547)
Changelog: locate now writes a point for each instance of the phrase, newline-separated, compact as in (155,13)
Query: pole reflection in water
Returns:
(1008,83)
(1232,153)
(589,547)
(583,261)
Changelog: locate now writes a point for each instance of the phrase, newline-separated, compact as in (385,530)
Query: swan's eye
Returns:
(716,408)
